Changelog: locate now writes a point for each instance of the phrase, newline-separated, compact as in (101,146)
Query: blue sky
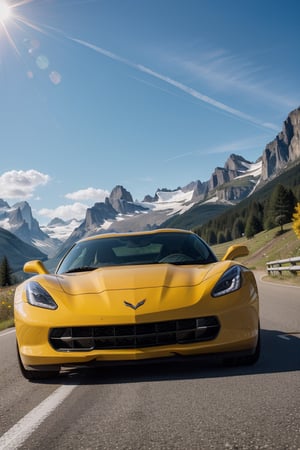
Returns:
(144,93)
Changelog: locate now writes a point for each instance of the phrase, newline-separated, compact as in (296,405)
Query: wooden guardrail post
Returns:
(278,266)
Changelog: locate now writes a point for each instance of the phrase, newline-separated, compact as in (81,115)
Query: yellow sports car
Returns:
(119,298)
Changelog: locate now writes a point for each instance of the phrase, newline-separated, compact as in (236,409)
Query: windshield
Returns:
(161,248)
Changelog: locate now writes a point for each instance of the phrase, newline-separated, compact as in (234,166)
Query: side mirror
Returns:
(235,251)
(35,266)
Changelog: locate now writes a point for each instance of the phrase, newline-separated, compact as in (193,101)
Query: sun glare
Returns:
(9,13)
(5,11)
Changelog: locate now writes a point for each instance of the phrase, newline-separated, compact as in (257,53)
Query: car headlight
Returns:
(230,281)
(38,296)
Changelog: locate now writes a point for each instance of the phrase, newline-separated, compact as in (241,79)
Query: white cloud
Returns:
(76,210)
(65,212)
(20,184)
(90,193)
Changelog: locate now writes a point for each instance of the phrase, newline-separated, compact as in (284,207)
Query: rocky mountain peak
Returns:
(119,193)
(3,204)
(56,222)
(118,199)
(121,200)
(236,163)
(227,185)
(98,214)
(199,189)
(26,213)
(292,127)
(19,220)
(15,217)
(149,199)
(284,148)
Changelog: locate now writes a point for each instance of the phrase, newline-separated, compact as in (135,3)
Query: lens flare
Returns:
(5,11)
(12,10)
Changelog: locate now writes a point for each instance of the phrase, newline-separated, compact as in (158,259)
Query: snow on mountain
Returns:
(18,220)
(4,223)
(175,202)
(252,169)
(48,246)
(147,214)
(215,199)
(60,229)
(120,213)
(128,215)
(238,179)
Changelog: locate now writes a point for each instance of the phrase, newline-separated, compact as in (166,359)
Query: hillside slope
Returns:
(290,179)
(266,246)
(17,251)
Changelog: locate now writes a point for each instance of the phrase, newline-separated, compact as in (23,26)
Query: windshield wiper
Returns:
(81,269)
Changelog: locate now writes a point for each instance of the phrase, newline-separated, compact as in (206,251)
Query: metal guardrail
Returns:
(279,266)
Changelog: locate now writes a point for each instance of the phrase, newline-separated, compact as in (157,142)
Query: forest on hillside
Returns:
(269,207)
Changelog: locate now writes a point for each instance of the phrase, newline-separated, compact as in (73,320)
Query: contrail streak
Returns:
(188,90)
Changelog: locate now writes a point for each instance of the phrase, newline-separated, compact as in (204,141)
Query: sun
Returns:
(5,11)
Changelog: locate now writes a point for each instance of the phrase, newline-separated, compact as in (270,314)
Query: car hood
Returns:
(137,277)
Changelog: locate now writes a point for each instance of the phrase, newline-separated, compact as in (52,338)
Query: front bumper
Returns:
(239,331)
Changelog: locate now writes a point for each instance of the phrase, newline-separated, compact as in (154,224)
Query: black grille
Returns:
(186,331)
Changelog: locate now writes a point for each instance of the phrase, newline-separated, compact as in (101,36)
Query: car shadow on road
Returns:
(279,353)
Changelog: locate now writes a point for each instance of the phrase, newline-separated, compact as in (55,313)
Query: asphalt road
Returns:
(167,406)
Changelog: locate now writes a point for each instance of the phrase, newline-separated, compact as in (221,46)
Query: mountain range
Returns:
(226,187)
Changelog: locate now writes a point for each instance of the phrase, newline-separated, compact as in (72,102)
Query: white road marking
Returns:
(17,435)
(9,331)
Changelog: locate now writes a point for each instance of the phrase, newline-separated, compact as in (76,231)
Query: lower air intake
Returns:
(185,331)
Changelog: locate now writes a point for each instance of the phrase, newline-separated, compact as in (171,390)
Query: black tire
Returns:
(35,375)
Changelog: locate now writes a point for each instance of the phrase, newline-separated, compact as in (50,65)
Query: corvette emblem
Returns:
(130,305)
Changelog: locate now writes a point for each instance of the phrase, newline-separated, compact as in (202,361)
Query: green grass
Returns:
(267,246)
(6,307)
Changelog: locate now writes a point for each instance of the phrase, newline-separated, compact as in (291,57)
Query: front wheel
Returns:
(35,375)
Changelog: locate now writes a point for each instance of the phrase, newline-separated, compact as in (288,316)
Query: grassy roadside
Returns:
(6,307)
(268,246)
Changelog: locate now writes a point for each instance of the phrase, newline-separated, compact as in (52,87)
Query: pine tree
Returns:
(296,220)
(211,237)
(221,237)
(253,226)
(228,235)
(238,228)
(280,207)
(5,273)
